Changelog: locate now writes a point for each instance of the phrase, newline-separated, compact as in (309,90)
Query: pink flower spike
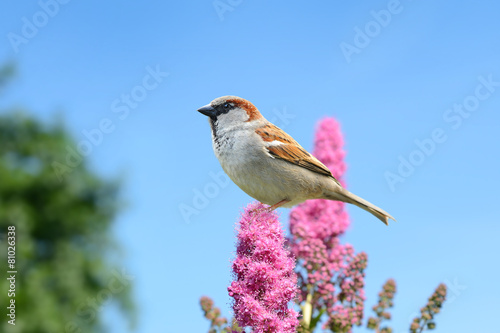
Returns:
(264,278)
(330,272)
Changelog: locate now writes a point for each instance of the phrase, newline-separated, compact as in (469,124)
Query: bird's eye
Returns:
(226,106)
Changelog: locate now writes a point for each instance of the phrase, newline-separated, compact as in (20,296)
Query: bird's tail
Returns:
(341,194)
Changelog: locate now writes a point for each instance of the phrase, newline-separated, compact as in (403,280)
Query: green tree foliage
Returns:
(63,246)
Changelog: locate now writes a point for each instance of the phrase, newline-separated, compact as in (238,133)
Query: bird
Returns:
(267,163)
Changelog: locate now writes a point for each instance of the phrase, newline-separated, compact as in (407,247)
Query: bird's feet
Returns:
(270,208)
(277,205)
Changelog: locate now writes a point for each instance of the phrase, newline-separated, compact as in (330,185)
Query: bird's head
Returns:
(228,111)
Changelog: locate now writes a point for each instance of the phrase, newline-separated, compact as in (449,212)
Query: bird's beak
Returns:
(207,110)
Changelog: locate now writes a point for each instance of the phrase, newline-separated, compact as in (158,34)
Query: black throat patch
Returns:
(213,126)
(221,142)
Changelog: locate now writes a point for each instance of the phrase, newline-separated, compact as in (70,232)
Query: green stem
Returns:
(422,326)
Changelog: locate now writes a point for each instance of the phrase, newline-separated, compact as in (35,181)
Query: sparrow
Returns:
(267,163)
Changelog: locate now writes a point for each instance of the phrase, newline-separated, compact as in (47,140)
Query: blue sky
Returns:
(417,94)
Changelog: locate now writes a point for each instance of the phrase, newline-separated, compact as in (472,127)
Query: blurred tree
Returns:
(62,228)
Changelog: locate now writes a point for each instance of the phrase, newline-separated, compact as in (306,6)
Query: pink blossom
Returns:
(331,269)
(265,281)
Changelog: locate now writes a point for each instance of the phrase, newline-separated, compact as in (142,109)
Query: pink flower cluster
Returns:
(381,309)
(315,227)
(265,281)
(212,313)
(349,311)
(429,311)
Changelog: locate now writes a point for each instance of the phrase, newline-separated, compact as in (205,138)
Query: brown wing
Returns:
(291,151)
